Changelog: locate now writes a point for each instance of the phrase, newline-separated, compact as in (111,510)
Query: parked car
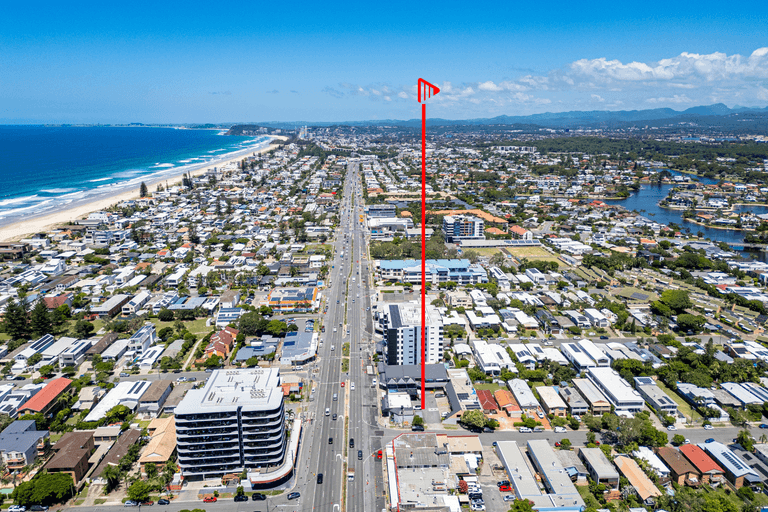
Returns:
(210,499)
(671,428)
(38,508)
(257,496)
(294,495)
(505,488)
(147,503)
(509,497)
(709,427)
(242,497)
(417,428)
(559,430)
(163,501)
(710,440)
(525,430)
(130,503)
(17,508)
(764,425)
(503,482)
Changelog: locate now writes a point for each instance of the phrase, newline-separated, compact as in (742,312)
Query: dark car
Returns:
(417,428)
(351,443)
(359,454)
(163,502)
(475,496)
(294,495)
(503,482)
(603,337)
(764,425)
(242,497)
(257,496)
(710,440)
(319,478)
(330,440)
(38,508)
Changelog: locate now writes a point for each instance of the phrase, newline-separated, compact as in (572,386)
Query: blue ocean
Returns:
(43,169)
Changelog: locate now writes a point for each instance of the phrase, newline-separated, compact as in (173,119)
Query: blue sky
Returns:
(336,61)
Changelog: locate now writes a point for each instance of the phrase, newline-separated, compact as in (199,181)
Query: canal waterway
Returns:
(646,202)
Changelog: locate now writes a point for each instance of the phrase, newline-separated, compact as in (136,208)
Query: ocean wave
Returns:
(164,165)
(58,190)
(100,179)
(38,207)
(17,200)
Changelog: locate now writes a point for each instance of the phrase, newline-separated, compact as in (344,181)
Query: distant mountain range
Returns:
(713,116)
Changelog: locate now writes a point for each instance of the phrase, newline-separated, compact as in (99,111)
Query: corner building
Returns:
(235,423)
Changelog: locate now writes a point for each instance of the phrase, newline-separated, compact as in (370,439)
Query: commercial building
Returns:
(235,423)
(463,227)
(402,334)
(617,390)
(600,468)
(299,348)
(437,271)
(559,491)
(299,300)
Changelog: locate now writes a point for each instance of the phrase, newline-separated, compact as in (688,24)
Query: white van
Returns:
(327,411)
(333,347)
(525,430)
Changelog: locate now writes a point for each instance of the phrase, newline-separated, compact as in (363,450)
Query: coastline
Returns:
(18,230)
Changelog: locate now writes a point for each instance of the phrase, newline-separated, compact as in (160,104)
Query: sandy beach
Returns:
(19,230)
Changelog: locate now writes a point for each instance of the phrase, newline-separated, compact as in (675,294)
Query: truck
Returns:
(350,474)
(369,370)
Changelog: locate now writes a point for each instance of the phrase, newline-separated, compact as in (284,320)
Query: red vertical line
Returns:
(423,251)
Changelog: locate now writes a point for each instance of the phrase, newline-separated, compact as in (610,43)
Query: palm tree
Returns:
(112,474)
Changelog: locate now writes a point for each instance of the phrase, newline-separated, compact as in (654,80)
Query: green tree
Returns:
(151,470)
(40,320)
(83,328)
(165,315)
(474,418)
(746,440)
(565,444)
(418,421)
(522,506)
(15,320)
(139,491)
(143,191)
(46,370)
(678,439)
(34,359)
(678,300)
(44,489)
(112,475)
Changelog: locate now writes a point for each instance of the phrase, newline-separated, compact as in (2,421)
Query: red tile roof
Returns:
(45,396)
(487,402)
(700,459)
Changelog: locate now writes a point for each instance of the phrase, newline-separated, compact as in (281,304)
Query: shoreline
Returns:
(18,230)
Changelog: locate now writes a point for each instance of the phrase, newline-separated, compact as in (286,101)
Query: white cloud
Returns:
(677,98)
(762,93)
(489,86)
(598,98)
(403,95)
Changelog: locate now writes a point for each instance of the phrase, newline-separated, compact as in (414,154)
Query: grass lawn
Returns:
(683,406)
(144,424)
(344,364)
(55,437)
(531,252)
(194,326)
(99,501)
(313,248)
(489,386)
(485,251)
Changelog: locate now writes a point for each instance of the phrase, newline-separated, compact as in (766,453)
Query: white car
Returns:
(509,497)
(709,427)
(671,428)
(17,508)
(559,430)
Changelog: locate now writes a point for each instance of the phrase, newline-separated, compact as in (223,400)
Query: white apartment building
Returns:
(402,334)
